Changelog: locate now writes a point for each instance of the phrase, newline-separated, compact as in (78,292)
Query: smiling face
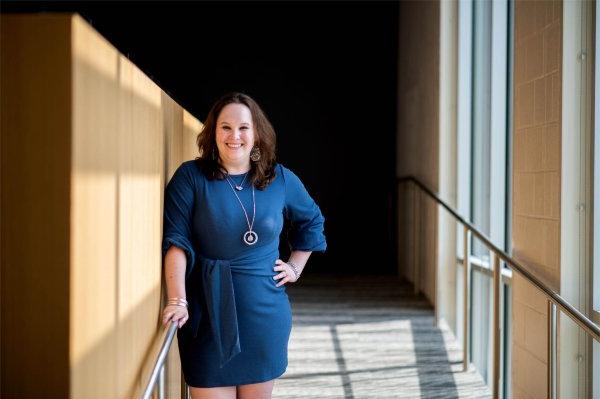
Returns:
(235,136)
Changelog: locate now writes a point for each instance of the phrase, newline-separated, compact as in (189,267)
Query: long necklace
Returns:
(250,237)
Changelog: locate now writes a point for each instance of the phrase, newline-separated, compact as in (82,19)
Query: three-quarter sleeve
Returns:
(306,220)
(177,216)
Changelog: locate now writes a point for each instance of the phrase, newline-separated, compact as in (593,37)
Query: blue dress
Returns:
(240,321)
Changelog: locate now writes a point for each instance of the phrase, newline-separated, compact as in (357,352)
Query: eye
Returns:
(244,127)
(225,127)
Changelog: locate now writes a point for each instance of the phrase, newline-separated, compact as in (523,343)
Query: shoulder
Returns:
(192,168)
(291,181)
(188,172)
(190,165)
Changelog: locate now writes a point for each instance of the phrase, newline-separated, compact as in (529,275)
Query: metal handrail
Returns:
(590,327)
(158,369)
(554,300)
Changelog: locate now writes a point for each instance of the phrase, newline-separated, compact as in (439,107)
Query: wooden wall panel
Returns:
(191,128)
(35,87)
(88,143)
(94,214)
(173,133)
(180,131)
(418,135)
(116,221)
(141,153)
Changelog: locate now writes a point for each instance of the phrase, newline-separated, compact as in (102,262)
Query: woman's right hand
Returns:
(175,313)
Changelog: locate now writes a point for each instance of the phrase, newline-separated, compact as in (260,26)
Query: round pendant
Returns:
(239,188)
(250,237)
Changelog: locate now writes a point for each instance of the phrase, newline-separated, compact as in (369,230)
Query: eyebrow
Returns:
(243,123)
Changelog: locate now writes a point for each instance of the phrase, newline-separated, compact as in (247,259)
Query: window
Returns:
(483,162)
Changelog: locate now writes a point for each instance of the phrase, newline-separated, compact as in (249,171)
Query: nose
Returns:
(236,133)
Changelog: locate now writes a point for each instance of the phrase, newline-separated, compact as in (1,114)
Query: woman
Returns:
(223,214)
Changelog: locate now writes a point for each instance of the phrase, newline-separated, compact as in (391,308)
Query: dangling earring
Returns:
(214,155)
(255,154)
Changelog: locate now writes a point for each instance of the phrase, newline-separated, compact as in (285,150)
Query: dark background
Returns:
(324,72)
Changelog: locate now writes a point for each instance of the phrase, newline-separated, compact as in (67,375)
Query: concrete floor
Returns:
(369,337)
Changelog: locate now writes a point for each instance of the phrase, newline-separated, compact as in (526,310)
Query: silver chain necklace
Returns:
(240,187)
(250,237)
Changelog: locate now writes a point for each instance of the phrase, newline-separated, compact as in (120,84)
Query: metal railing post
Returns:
(496,327)
(185,392)
(416,233)
(551,349)
(466,296)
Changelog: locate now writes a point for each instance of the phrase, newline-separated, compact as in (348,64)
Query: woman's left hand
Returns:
(287,273)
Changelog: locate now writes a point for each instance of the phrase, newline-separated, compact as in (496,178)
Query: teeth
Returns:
(234,145)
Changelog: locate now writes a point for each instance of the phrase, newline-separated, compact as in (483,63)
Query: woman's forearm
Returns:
(300,258)
(175,263)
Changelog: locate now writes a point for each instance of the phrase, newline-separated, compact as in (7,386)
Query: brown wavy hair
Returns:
(262,172)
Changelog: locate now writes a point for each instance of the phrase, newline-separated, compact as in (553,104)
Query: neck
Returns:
(236,169)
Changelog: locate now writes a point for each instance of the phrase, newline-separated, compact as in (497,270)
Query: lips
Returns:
(234,145)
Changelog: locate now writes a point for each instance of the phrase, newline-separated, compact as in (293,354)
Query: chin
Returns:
(239,158)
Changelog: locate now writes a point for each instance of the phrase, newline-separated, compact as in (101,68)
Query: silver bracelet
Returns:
(294,268)
(177,301)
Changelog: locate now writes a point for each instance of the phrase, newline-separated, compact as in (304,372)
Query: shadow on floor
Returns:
(366,336)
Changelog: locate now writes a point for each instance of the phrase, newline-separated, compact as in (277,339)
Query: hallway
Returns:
(370,337)
(459,140)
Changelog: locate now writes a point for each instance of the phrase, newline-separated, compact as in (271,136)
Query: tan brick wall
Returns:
(536,184)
